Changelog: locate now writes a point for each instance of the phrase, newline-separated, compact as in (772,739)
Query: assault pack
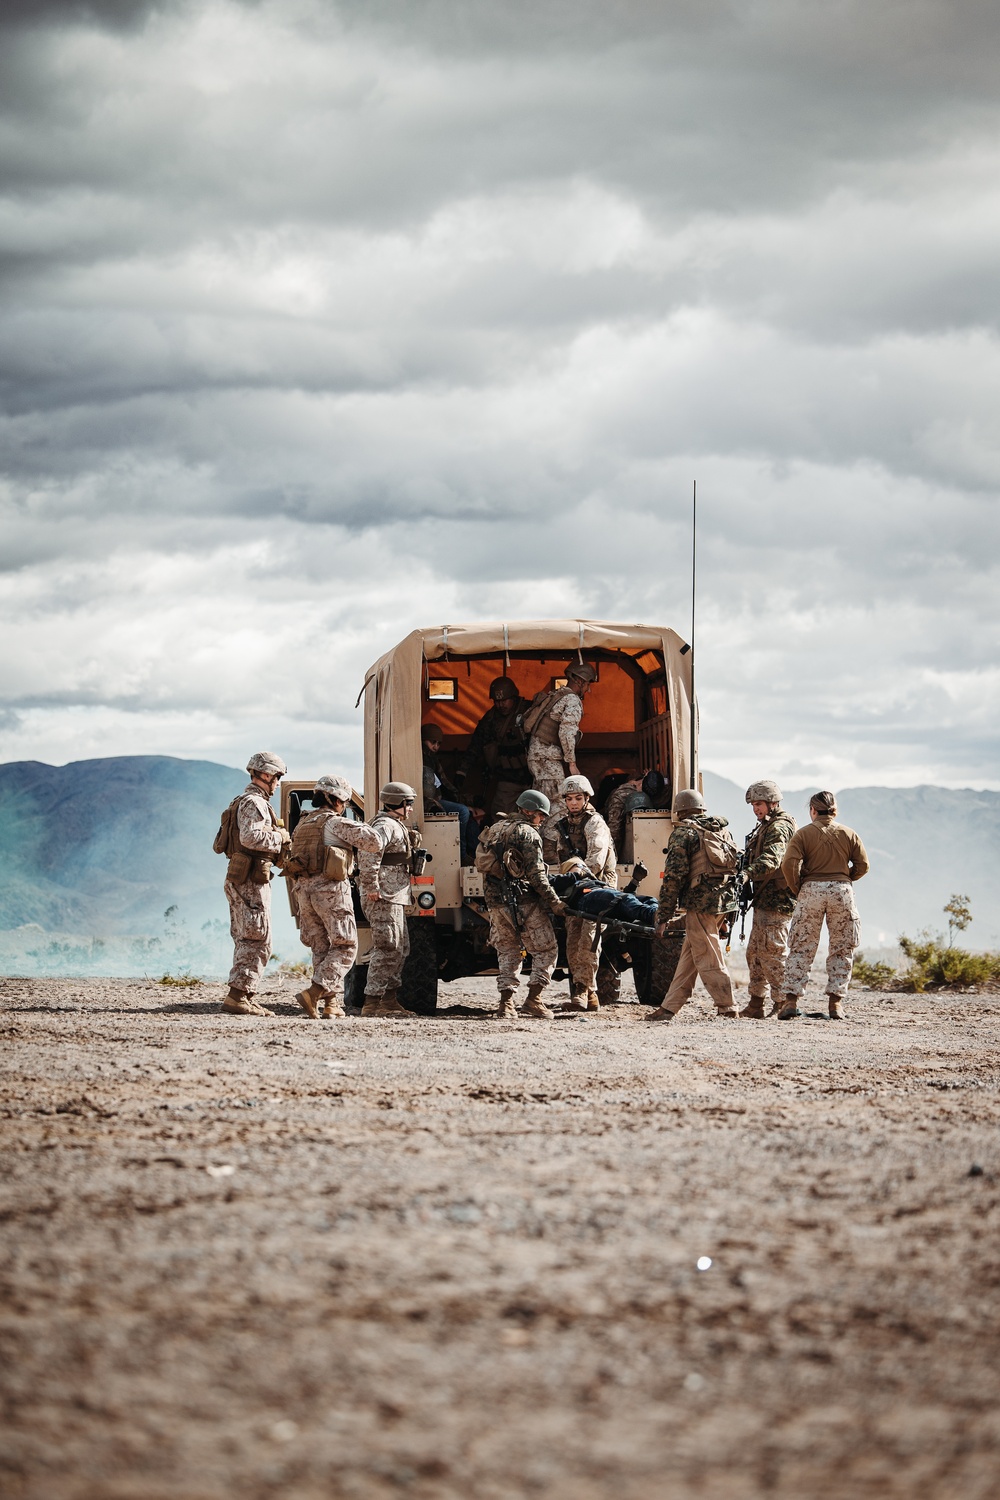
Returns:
(716,858)
(244,864)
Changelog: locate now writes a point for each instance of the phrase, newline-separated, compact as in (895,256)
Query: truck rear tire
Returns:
(609,985)
(654,965)
(420,972)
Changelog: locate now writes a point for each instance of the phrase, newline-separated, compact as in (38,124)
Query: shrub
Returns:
(876,976)
(182,981)
(932,964)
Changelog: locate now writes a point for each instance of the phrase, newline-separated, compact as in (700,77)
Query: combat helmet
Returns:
(581,669)
(395,793)
(531,801)
(578,784)
(764,791)
(268,762)
(689,801)
(503,687)
(334,786)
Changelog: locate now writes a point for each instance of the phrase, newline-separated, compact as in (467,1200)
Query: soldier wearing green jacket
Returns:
(695,882)
(773,902)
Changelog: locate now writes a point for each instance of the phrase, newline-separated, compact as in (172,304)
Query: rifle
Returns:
(508,887)
(744,894)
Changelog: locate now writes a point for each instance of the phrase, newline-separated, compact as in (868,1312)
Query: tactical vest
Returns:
(575,837)
(546,731)
(244,864)
(774,878)
(506,750)
(310,854)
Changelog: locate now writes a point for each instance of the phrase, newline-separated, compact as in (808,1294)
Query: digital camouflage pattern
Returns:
(819,899)
(587,835)
(390,945)
(767,952)
(534,936)
(582,956)
(384,873)
(532,933)
(327,924)
(766,848)
(250,903)
(711,894)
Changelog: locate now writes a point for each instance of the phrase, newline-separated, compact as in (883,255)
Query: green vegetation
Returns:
(181,981)
(933,963)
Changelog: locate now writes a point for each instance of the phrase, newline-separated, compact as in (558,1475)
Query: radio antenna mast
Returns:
(694,588)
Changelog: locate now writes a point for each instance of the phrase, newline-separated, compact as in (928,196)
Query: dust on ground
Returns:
(458,1258)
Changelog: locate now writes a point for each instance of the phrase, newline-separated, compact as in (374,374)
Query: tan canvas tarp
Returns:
(394,685)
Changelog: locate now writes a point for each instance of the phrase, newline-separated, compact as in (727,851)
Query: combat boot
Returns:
(535,1006)
(239,1003)
(309,999)
(593,1000)
(333,1009)
(790,1009)
(836,1008)
(754,1010)
(372,1006)
(391,1007)
(577,996)
(727,1013)
(659,1014)
(506,1010)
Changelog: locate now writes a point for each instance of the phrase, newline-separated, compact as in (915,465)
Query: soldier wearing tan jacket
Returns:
(821,865)
(254,839)
(583,834)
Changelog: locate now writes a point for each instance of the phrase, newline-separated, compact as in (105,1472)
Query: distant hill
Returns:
(116,848)
(107,865)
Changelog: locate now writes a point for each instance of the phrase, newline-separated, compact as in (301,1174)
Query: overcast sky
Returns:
(324,320)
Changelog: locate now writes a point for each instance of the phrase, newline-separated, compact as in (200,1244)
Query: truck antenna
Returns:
(694,586)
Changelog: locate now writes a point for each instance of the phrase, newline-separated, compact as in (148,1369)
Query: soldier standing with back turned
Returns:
(384,878)
(693,882)
(773,902)
(251,836)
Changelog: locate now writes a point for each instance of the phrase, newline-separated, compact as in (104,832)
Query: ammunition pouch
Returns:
(337,862)
(239,867)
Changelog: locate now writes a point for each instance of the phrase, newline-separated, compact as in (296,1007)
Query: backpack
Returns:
(227,840)
(537,709)
(309,855)
(489,852)
(717,857)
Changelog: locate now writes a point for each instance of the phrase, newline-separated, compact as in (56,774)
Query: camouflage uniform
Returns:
(532,931)
(818,898)
(548,763)
(586,835)
(250,903)
(384,878)
(327,923)
(706,901)
(498,755)
(615,810)
(773,904)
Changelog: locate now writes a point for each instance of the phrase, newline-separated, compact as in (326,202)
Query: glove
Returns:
(558,907)
(285,836)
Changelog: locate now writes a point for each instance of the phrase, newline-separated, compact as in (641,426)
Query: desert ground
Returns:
(454,1257)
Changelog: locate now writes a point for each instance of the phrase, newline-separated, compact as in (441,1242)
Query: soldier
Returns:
(520,898)
(552,750)
(441,796)
(498,751)
(384,878)
(252,837)
(320,862)
(615,809)
(773,902)
(698,872)
(583,834)
(820,865)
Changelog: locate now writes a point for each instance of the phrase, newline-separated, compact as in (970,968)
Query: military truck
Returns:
(638,712)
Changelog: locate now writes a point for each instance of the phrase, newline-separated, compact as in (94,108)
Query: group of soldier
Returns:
(537,810)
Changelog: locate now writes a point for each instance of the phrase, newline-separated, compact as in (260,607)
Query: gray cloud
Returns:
(322,320)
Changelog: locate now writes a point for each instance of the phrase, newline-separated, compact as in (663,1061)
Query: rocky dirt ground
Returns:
(459,1258)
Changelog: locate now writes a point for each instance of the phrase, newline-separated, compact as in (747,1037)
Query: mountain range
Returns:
(107,865)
